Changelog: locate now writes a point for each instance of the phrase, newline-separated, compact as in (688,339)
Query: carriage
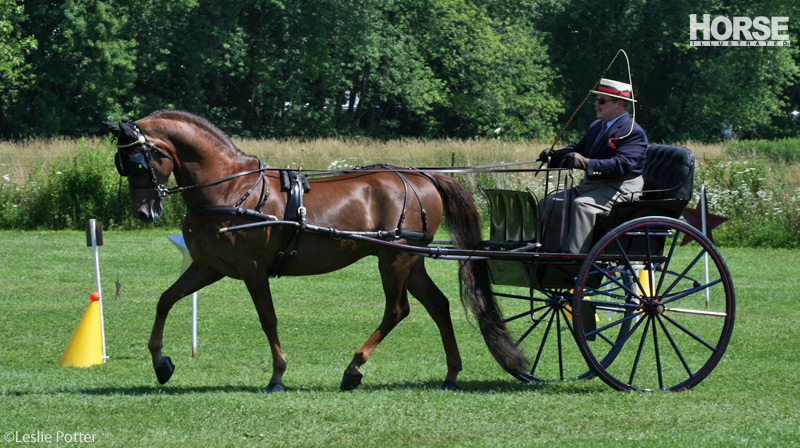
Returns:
(650,306)
(645,306)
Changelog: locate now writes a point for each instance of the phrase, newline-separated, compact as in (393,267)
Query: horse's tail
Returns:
(476,293)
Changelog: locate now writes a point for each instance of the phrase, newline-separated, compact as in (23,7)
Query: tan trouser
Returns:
(587,200)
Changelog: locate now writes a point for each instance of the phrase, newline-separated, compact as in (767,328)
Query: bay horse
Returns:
(222,187)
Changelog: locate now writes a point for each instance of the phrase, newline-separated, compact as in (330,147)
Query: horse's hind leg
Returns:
(422,287)
(191,281)
(394,268)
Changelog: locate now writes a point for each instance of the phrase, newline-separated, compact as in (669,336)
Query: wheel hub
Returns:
(653,307)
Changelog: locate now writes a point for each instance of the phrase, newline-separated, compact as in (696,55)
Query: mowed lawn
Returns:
(218,399)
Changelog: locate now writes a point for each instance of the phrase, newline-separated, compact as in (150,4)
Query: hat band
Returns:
(613,91)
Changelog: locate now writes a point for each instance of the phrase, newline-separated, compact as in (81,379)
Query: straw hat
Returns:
(615,89)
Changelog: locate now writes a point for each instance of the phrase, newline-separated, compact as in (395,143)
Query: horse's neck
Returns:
(204,158)
(207,161)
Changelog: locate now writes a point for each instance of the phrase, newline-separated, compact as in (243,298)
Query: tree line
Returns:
(388,68)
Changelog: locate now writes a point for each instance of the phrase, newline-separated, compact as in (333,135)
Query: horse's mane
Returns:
(196,120)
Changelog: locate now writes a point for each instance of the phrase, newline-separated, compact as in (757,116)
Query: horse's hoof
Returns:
(276,387)
(164,370)
(447,385)
(351,380)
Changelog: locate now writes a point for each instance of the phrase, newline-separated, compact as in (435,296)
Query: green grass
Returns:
(218,399)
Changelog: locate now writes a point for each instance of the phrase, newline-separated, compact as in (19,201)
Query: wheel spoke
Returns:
(541,344)
(686,292)
(603,292)
(629,266)
(614,279)
(557,316)
(665,268)
(682,275)
(617,306)
(533,325)
(697,312)
(525,313)
(675,347)
(613,324)
(639,351)
(606,338)
(690,333)
(658,356)
(519,297)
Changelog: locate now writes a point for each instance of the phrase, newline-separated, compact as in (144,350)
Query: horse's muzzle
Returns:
(149,211)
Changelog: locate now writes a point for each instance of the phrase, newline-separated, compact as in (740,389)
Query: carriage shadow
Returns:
(480,387)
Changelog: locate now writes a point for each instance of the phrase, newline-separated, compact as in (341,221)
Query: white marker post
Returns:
(179,242)
(94,239)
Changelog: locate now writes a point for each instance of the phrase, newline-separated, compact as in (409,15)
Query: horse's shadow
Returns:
(477,387)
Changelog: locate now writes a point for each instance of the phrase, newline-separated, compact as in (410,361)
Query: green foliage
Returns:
(67,192)
(786,149)
(15,72)
(433,68)
(255,68)
(762,208)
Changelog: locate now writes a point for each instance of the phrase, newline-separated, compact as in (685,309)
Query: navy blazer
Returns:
(614,157)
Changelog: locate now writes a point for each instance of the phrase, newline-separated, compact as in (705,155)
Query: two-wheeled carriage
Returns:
(651,306)
(645,311)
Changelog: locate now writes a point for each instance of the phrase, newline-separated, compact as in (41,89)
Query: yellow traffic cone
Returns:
(85,348)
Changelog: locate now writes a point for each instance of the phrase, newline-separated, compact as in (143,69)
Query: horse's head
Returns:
(146,166)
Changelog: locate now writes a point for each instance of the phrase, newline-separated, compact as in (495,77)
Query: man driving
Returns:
(612,153)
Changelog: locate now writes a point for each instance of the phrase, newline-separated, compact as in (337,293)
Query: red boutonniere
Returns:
(612,142)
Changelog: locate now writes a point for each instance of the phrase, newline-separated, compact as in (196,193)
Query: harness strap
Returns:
(214,182)
(261,178)
(295,211)
(406,184)
(230,210)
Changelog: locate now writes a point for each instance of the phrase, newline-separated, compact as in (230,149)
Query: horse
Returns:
(224,188)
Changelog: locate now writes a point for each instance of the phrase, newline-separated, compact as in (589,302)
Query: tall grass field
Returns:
(59,184)
(218,398)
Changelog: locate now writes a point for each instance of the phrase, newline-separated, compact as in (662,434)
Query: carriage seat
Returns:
(668,185)
(512,216)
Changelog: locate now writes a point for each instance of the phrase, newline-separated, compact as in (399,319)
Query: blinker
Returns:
(135,164)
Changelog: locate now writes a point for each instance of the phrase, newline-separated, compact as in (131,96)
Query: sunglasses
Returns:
(602,101)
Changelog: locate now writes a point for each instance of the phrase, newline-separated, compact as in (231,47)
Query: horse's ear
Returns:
(114,129)
(128,131)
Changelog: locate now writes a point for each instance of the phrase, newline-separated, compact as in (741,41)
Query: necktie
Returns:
(597,140)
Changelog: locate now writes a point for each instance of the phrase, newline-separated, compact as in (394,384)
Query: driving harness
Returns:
(294,223)
(138,154)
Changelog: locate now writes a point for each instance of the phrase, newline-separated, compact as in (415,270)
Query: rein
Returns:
(163,191)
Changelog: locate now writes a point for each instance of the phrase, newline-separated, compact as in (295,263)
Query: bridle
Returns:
(139,156)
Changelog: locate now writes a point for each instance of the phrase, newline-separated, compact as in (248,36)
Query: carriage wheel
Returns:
(541,326)
(679,319)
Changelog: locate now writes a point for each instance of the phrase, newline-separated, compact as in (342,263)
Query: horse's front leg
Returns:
(257,282)
(192,280)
